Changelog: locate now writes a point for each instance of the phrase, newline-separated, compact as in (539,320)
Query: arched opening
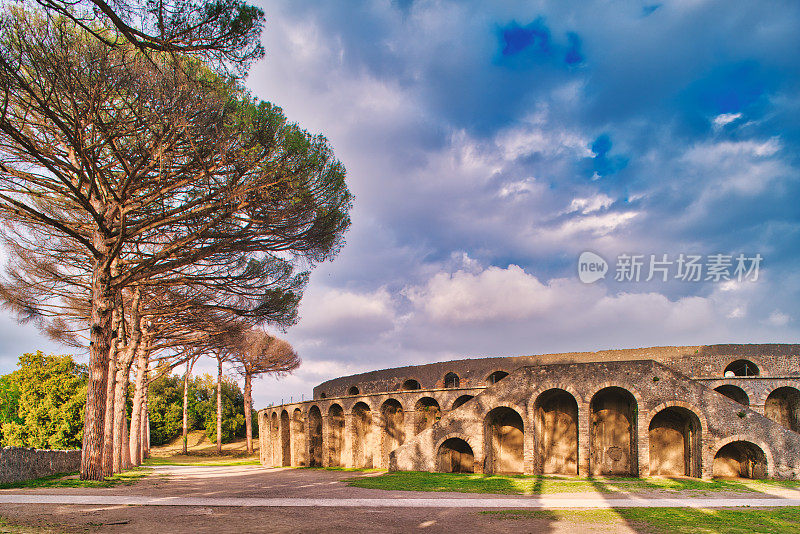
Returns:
(286,441)
(410,385)
(742,368)
(353,390)
(426,413)
(362,436)
(496,377)
(735,393)
(275,434)
(461,401)
(740,459)
(315,437)
(335,435)
(451,380)
(557,433)
(392,434)
(675,443)
(612,443)
(503,438)
(298,438)
(455,456)
(783,407)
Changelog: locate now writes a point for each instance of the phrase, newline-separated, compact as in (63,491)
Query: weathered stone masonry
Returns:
(720,410)
(20,463)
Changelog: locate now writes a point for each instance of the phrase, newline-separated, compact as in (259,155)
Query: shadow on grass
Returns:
(71,480)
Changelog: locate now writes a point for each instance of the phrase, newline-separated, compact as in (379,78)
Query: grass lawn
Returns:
(535,485)
(71,480)
(181,459)
(673,520)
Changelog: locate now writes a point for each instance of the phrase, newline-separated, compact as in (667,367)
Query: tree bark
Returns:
(248,411)
(219,405)
(145,440)
(126,445)
(189,365)
(108,435)
(99,346)
(138,398)
(121,441)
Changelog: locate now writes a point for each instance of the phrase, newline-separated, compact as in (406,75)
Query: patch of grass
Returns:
(200,461)
(535,485)
(577,516)
(717,521)
(674,520)
(71,480)
(352,469)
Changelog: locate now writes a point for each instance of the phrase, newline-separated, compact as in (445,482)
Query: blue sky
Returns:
(490,143)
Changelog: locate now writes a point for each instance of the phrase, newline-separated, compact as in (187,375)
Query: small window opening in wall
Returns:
(410,384)
(741,368)
(496,377)
(353,390)
(451,380)
(322,395)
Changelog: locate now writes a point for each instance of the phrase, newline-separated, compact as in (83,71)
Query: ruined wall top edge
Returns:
(698,360)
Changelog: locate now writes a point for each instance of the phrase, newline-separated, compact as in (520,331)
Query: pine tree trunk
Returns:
(248,410)
(186,407)
(121,444)
(138,398)
(126,445)
(99,346)
(145,438)
(219,405)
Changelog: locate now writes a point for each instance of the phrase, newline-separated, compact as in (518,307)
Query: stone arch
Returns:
(741,457)
(734,393)
(613,432)
(463,399)
(451,380)
(353,390)
(298,438)
(504,432)
(495,376)
(426,412)
(362,436)
(783,407)
(556,432)
(741,367)
(274,431)
(335,435)
(454,455)
(314,437)
(286,440)
(392,432)
(410,384)
(675,433)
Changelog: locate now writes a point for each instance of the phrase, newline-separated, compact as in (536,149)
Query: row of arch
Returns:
(675,438)
(782,404)
(737,368)
(451,381)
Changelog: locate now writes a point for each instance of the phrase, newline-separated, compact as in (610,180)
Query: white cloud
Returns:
(777,318)
(590,204)
(725,118)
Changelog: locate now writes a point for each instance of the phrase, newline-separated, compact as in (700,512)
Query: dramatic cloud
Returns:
(490,143)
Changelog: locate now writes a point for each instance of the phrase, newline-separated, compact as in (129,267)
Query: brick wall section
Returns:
(773,360)
(19,463)
(720,417)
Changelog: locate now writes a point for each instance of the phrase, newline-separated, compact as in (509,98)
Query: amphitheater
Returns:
(702,411)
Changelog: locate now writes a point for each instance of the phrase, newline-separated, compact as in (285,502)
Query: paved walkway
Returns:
(538,502)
